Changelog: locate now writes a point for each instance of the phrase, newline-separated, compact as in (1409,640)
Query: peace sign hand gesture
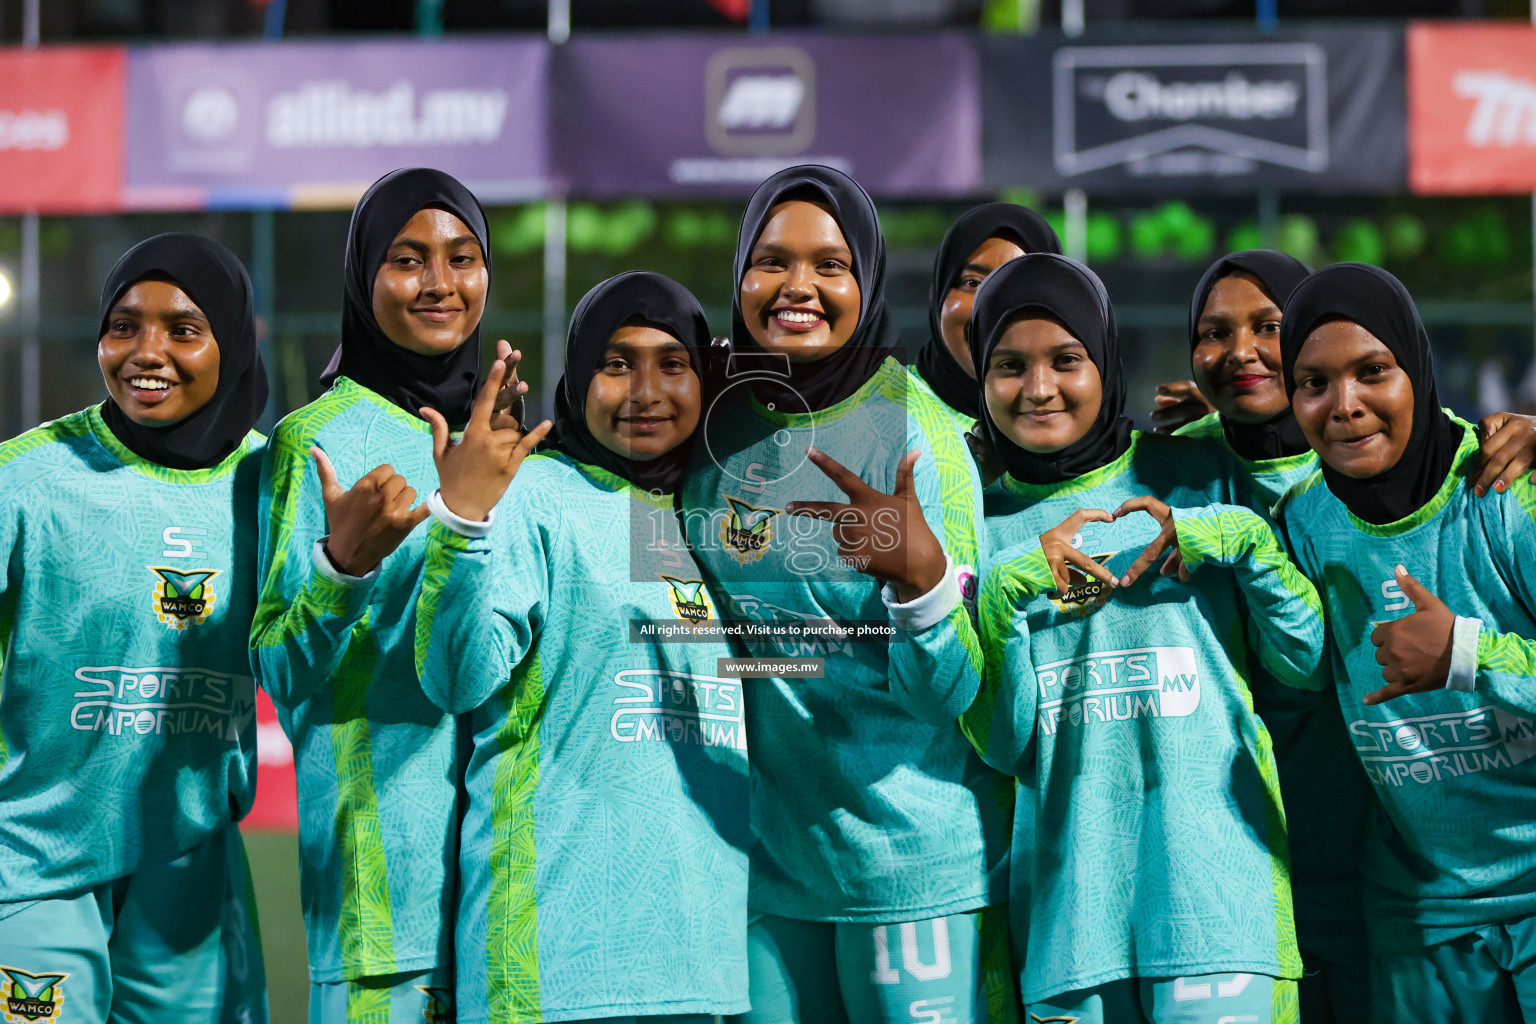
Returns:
(1414,652)
(474,473)
(881,535)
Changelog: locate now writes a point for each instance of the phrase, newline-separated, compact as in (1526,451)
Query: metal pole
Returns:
(554,304)
(31,271)
(1268,14)
(1075,206)
(1073,18)
(31,307)
(1269,217)
(277,13)
(429,17)
(559,21)
(264,283)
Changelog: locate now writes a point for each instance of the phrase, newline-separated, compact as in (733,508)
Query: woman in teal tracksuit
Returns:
(1426,590)
(878,838)
(1154,885)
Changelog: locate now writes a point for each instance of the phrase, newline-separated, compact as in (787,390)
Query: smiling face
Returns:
(1236,360)
(956,309)
(158,355)
(1042,390)
(1353,401)
(799,295)
(429,293)
(644,398)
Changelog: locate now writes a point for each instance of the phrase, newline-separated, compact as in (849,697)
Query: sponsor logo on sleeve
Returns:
(1118,686)
(32,997)
(183,599)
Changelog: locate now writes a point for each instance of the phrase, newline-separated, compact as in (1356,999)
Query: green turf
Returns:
(275,867)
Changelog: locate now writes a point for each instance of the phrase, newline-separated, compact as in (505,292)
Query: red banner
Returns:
(61,129)
(1471,108)
(277,799)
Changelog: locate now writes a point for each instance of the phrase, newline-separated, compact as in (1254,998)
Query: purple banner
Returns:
(710,114)
(312,124)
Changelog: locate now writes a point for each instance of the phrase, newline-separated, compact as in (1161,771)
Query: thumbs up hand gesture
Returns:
(1415,651)
(368,521)
(474,473)
(881,535)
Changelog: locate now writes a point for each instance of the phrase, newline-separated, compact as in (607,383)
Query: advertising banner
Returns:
(1472,108)
(1214,110)
(61,130)
(312,124)
(714,114)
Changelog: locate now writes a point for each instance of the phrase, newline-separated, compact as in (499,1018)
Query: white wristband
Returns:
(1463,675)
(330,571)
(457,523)
(925,610)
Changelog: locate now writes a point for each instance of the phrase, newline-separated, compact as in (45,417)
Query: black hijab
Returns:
(214,279)
(446,382)
(1278,274)
(1377,301)
(1019,225)
(638,296)
(1044,283)
(810,387)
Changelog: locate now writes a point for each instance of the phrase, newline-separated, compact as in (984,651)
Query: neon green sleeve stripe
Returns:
(1505,653)
(960,622)
(1228,536)
(512,932)
(366,926)
(443,549)
(1003,594)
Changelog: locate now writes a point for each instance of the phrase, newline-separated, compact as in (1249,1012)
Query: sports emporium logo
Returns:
(31,997)
(747,530)
(1182,110)
(183,598)
(760,101)
(1118,686)
(689,598)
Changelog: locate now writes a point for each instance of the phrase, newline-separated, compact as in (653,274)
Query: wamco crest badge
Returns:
(31,997)
(747,530)
(183,598)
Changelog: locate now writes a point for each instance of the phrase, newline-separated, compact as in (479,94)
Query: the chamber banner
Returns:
(1195,111)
